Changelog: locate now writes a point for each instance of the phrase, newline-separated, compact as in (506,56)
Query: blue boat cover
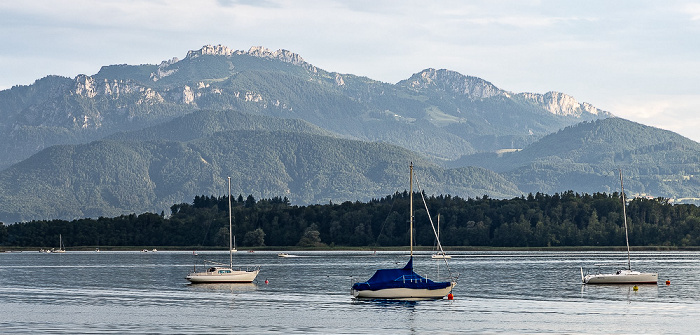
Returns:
(399,278)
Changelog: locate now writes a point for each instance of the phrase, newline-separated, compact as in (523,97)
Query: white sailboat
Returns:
(440,255)
(233,249)
(220,273)
(61,248)
(402,283)
(623,276)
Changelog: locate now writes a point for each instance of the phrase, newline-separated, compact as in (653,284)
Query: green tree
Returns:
(311,237)
(254,238)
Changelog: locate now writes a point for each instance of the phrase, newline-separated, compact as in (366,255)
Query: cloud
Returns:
(693,10)
(670,112)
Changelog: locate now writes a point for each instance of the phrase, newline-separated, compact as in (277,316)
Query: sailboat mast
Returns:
(230,226)
(410,187)
(624,216)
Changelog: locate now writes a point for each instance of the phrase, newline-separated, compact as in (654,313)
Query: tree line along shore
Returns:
(563,221)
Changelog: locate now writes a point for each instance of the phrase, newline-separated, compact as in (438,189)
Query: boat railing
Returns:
(412,279)
(249,268)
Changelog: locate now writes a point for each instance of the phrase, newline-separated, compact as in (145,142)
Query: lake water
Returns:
(497,292)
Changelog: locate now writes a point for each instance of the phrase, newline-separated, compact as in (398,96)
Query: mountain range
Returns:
(136,138)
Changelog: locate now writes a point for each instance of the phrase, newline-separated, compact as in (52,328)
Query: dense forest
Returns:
(539,220)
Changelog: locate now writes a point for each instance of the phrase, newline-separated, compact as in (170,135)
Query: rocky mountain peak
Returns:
(214,50)
(255,51)
(451,81)
(562,104)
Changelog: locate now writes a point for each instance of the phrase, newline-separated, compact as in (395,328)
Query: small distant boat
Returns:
(285,255)
(402,283)
(61,248)
(440,255)
(144,250)
(624,276)
(154,250)
(223,273)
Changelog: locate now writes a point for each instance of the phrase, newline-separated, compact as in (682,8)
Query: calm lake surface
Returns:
(497,292)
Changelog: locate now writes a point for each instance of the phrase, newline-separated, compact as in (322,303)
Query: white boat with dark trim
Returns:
(403,283)
(220,273)
(624,276)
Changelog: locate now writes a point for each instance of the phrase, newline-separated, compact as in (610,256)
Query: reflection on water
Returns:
(511,292)
(223,287)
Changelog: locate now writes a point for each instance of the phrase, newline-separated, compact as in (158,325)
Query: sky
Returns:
(639,60)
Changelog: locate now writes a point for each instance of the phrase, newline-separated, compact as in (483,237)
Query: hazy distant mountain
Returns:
(586,158)
(135,138)
(438,113)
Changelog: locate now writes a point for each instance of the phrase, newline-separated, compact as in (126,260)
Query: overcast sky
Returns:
(639,60)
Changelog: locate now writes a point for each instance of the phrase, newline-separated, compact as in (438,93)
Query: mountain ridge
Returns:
(138,137)
(114,177)
(260,81)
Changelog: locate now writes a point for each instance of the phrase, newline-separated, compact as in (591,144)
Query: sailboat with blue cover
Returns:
(402,283)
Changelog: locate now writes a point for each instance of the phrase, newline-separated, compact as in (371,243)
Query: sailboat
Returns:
(233,249)
(623,276)
(61,248)
(440,255)
(402,283)
(220,273)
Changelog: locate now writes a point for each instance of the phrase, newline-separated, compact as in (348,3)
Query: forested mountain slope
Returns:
(113,177)
(586,158)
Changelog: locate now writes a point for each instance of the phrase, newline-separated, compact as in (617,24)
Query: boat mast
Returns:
(624,215)
(410,187)
(230,232)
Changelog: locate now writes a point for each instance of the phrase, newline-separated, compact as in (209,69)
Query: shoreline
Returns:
(420,249)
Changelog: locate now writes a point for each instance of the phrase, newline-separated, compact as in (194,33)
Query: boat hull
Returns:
(231,277)
(403,293)
(624,277)
(440,256)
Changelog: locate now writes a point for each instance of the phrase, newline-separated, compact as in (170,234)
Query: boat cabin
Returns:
(218,270)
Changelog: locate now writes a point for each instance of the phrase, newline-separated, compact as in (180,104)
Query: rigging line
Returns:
(393,201)
(430,218)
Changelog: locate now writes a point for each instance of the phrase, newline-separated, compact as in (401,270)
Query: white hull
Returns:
(441,256)
(622,277)
(404,293)
(229,277)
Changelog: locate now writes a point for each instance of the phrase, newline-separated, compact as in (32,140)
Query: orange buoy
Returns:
(450,296)
(668,282)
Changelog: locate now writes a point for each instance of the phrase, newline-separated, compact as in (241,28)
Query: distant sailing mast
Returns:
(439,254)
